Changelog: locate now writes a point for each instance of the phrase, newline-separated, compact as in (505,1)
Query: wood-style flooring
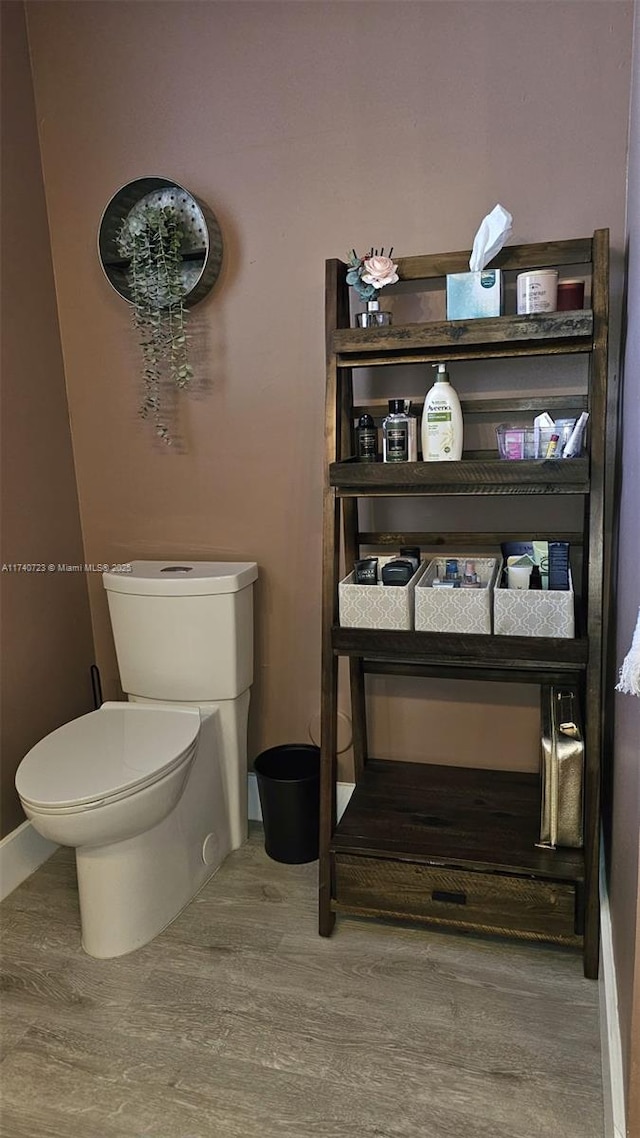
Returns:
(239,1021)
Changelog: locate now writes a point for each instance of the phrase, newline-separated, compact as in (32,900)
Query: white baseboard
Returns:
(344,792)
(612,1073)
(255,811)
(21,853)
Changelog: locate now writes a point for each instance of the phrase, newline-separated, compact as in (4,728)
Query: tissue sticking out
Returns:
(491,236)
(478,293)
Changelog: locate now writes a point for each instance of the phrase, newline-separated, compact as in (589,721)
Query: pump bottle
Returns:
(395,433)
(366,439)
(442,421)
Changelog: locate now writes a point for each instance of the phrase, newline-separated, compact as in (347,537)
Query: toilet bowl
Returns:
(152,793)
(108,775)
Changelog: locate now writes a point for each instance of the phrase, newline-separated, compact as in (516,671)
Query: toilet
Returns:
(152,793)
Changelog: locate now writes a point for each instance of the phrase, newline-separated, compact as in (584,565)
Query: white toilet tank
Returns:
(183,630)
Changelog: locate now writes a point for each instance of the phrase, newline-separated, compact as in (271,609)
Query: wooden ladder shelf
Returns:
(454,846)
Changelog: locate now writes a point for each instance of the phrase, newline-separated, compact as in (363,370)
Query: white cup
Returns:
(537,291)
(518,576)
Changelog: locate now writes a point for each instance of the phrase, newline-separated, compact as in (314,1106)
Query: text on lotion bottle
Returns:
(442,421)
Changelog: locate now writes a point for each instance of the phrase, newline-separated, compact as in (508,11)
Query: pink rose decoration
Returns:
(379,271)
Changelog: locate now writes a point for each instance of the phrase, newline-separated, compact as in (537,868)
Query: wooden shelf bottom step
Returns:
(472,902)
(455,847)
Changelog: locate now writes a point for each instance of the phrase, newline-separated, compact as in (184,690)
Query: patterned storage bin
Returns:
(378,606)
(456,610)
(534,612)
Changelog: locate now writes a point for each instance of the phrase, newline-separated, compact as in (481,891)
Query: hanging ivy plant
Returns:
(151,240)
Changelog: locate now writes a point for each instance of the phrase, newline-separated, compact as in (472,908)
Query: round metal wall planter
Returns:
(202,243)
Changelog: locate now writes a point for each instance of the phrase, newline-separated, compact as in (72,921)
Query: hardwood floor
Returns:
(239,1021)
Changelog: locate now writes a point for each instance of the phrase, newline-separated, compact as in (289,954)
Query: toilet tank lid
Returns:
(181,578)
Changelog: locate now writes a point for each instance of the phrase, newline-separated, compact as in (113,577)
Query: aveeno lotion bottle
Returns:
(441,421)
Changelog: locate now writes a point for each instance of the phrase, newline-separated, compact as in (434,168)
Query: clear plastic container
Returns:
(520,442)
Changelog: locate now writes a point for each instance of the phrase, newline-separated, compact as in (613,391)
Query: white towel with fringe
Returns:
(629,681)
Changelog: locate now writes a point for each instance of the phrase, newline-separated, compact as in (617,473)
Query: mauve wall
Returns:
(624,868)
(309,128)
(46,630)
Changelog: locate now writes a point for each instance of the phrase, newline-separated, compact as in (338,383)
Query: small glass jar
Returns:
(570,295)
(373,317)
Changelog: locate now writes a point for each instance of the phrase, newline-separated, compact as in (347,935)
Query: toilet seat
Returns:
(105,756)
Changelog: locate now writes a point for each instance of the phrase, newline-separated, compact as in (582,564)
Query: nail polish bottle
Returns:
(470,579)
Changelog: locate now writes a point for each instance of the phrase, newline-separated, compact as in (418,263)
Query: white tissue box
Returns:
(472,295)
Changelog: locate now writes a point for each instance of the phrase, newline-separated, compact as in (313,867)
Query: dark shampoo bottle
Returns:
(366,439)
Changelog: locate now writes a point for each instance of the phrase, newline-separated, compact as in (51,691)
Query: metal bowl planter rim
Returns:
(120,207)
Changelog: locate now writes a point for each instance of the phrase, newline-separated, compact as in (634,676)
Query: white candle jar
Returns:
(537,291)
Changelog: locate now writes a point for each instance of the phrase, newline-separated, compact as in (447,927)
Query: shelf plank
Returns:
(505,674)
(490,476)
(498,335)
(438,355)
(463,649)
(468,540)
(544,254)
(483,820)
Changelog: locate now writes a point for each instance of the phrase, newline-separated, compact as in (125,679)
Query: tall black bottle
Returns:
(366,439)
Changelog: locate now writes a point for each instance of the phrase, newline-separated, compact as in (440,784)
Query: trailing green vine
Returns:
(151,241)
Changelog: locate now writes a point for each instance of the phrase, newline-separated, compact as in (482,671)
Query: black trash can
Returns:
(289,789)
